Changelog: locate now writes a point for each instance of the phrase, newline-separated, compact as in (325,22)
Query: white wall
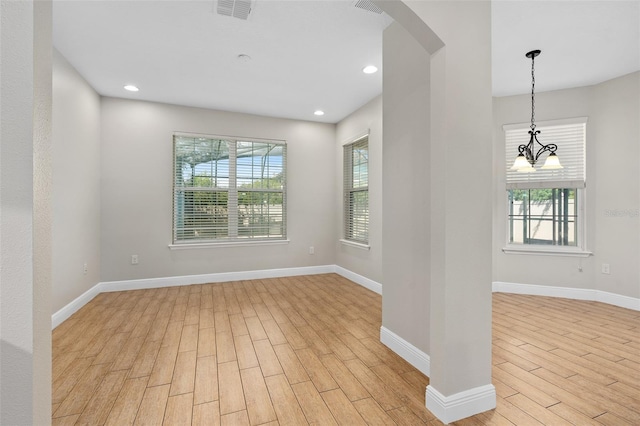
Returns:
(406,187)
(615,142)
(25,212)
(136,164)
(76,184)
(613,184)
(367,263)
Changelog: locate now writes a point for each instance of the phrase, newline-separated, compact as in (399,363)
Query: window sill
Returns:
(354,244)
(190,246)
(547,251)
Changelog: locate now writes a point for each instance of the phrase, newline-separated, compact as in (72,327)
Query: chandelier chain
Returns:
(533,99)
(528,154)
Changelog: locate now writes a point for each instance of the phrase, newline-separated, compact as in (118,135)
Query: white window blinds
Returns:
(570,137)
(356,191)
(228,190)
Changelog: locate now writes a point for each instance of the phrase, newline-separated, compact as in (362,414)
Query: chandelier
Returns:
(526,158)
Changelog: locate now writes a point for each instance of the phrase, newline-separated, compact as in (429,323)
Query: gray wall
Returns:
(613,184)
(615,155)
(406,187)
(76,184)
(136,164)
(367,263)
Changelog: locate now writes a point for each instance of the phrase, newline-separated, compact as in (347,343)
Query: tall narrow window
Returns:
(356,191)
(545,206)
(228,189)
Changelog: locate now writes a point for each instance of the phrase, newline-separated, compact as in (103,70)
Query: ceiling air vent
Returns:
(237,8)
(367,5)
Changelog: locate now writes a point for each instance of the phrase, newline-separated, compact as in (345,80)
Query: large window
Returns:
(356,191)
(545,207)
(228,189)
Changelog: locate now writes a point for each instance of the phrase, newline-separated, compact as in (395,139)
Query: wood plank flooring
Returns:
(306,350)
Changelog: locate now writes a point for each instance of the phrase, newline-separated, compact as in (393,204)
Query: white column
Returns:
(437,281)
(25,242)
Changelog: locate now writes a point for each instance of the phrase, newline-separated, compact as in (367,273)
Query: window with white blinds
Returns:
(356,191)
(545,207)
(228,189)
(570,137)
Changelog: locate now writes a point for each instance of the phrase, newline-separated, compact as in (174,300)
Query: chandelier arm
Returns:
(551,148)
(527,151)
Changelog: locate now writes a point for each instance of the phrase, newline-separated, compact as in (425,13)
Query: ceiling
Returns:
(582,43)
(307,55)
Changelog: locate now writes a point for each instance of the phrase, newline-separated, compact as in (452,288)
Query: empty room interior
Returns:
(320,212)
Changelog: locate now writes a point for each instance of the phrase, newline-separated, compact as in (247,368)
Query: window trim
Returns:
(540,250)
(355,244)
(190,246)
(233,192)
(347,191)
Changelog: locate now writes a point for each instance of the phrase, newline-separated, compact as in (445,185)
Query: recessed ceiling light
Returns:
(131,88)
(319,112)
(370,69)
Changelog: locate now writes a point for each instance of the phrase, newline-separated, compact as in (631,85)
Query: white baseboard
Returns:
(406,350)
(460,405)
(618,300)
(365,282)
(568,293)
(109,286)
(214,278)
(71,308)
(446,408)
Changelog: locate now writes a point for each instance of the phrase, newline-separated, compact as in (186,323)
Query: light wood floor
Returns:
(306,350)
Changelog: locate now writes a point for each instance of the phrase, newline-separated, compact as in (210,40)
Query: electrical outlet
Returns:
(605,268)
(312,250)
(85,268)
(134,259)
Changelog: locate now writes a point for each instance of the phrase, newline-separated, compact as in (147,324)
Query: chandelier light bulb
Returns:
(520,163)
(552,162)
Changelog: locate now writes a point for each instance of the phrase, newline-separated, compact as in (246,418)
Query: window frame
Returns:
(578,250)
(348,190)
(233,192)
(579,185)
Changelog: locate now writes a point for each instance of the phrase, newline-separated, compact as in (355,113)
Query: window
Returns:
(545,207)
(356,191)
(228,189)
(543,216)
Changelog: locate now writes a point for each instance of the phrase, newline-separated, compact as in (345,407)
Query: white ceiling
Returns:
(582,43)
(308,55)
